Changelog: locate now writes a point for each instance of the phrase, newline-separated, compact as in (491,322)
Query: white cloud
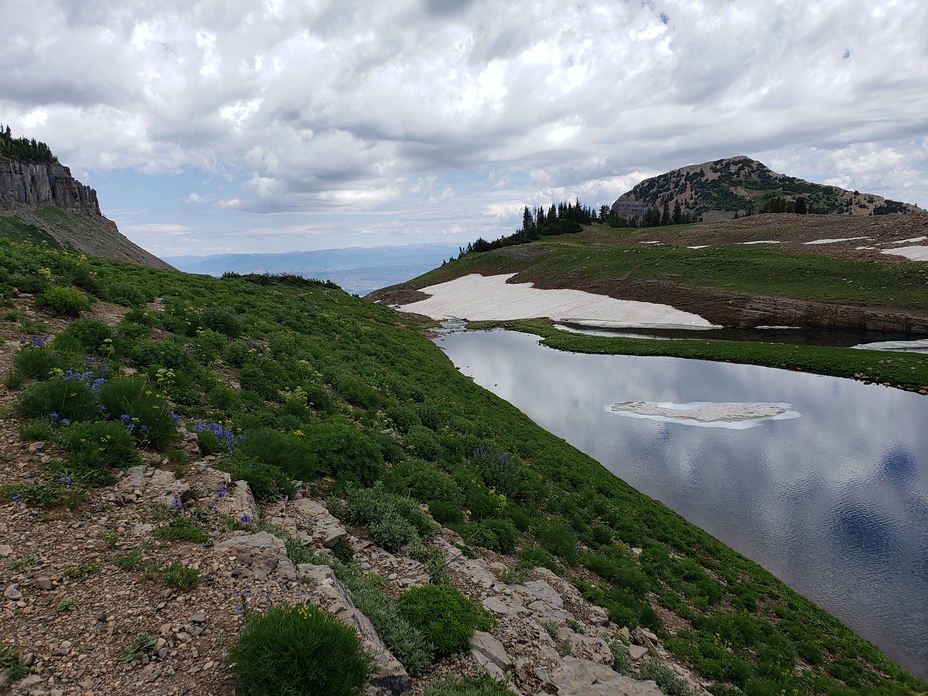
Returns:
(318,107)
(163,229)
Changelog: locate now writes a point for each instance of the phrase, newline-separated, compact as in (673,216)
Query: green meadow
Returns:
(293,378)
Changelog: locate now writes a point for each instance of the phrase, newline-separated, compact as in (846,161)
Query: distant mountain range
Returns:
(356,270)
(738,186)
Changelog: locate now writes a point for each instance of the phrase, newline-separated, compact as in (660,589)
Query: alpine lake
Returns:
(822,481)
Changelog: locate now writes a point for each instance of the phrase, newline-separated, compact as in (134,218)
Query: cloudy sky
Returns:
(277,125)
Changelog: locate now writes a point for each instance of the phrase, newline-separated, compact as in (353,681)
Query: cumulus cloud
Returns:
(314,106)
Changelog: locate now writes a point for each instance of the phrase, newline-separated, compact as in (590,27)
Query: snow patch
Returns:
(915,253)
(491,298)
(835,241)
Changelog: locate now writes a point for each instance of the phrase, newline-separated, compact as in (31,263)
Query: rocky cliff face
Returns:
(44,184)
(45,195)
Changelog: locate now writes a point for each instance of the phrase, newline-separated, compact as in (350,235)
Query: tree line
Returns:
(24,149)
(561,218)
(570,217)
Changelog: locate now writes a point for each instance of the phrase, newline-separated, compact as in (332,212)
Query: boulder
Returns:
(576,677)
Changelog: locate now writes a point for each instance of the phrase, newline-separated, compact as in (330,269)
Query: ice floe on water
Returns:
(482,298)
(707,414)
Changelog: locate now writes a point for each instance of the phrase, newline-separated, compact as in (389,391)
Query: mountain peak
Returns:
(735,186)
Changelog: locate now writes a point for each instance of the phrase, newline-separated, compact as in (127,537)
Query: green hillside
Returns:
(306,382)
(734,269)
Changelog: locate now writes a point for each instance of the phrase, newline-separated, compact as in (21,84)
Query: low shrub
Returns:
(298,650)
(667,680)
(95,446)
(483,685)
(223,320)
(498,471)
(287,452)
(446,617)
(32,284)
(208,346)
(267,482)
(393,520)
(407,643)
(90,334)
(69,399)
(557,537)
(422,443)
(36,363)
(424,481)
(182,528)
(495,534)
(65,302)
(446,513)
(252,378)
(403,417)
(144,412)
(176,574)
(345,452)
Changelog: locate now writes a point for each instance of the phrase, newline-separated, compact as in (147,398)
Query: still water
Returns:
(832,498)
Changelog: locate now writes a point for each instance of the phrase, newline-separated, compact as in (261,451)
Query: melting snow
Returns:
(707,414)
(834,241)
(916,253)
(481,298)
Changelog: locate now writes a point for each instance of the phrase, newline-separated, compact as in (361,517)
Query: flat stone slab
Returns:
(585,678)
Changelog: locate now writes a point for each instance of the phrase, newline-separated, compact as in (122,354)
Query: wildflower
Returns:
(245,519)
(176,502)
(66,480)
(53,417)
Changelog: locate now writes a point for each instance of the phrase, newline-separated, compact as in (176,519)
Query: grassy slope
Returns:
(616,261)
(738,625)
(902,370)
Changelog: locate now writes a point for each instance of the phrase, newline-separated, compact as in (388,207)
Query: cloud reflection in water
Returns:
(835,503)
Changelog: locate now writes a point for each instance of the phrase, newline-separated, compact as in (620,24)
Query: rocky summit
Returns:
(737,186)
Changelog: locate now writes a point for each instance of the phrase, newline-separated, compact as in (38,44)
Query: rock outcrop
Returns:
(46,196)
(44,184)
(740,185)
